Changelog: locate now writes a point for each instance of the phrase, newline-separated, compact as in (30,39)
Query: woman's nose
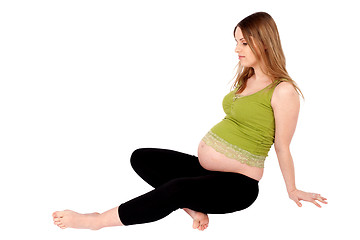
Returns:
(237,49)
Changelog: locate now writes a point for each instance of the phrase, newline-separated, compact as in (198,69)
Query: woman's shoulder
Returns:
(284,91)
(284,87)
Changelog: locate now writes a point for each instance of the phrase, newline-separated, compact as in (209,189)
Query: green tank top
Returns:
(248,130)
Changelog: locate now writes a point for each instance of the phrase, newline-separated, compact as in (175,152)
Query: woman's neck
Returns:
(259,76)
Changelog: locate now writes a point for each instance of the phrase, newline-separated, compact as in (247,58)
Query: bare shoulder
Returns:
(285,94)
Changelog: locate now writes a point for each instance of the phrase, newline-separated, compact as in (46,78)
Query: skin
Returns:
(286,105)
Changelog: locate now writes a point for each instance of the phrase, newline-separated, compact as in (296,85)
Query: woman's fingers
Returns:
(321,199)
(298,196)
(298,203)
(309,197)
(314,202)
(318,197)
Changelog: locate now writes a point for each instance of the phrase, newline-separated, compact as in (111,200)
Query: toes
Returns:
(58,214)
(62,226)
(196,224)
(202,227)
(57,223)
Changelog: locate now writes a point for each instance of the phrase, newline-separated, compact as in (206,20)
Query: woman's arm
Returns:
(286,106)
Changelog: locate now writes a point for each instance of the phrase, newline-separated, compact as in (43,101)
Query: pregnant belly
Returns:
(212,160)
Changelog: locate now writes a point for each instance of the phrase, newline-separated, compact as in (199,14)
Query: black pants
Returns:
(181,182)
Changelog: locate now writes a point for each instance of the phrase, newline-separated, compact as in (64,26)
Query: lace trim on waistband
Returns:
(232,151)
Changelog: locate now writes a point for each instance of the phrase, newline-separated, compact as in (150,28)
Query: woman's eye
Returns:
(243,43)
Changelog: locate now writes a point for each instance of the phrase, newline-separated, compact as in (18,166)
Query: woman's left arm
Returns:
(286,105)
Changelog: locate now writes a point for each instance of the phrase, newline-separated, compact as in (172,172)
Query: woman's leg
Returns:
(216,193)
(93,221)
(158,166)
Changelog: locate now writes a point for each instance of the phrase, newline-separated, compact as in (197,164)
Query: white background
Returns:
(84,83)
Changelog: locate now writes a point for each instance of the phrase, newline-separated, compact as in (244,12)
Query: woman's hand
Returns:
(298,195)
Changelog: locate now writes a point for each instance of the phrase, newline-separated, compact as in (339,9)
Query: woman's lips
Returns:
(241,57)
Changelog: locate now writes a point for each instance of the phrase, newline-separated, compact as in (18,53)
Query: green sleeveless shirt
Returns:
(248,130)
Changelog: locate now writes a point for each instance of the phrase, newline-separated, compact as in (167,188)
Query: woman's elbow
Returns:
(281,147)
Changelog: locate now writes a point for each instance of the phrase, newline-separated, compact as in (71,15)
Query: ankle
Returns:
(190,212)
(97,222)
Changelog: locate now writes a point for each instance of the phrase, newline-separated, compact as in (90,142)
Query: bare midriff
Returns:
(212,160)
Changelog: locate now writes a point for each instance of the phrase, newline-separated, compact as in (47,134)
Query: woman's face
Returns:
(246,56)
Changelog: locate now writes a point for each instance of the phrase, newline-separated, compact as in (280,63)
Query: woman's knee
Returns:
(137,158)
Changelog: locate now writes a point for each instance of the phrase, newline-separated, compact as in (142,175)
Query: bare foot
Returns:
(201,221)
(71,219)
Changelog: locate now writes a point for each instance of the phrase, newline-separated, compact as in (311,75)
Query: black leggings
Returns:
(181,182)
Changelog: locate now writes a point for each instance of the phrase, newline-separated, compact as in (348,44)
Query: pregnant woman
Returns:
(261,109)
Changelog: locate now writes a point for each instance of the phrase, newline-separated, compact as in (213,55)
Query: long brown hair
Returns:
(260,32)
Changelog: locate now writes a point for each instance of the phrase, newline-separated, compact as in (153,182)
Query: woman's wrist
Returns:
(291,190)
